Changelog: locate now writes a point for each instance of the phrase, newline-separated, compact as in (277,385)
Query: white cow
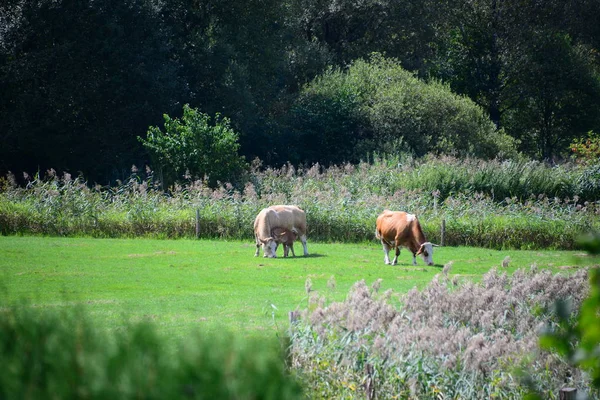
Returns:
(279,224)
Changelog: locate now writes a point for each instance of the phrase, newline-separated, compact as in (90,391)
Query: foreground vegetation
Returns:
(500,205)
(63,354)
(454,339)
(104,318)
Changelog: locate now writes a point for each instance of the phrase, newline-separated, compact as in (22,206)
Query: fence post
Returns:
(443,234)
(197,223)
(293,317)
(370,382)
(567,394)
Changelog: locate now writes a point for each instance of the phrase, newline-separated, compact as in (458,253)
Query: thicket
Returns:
(491,204)
(376,105)
(61,354)
(97,73)
(453,339)
(193,145)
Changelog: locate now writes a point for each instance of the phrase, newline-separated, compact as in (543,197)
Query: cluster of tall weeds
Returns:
(453,339)
(491,204)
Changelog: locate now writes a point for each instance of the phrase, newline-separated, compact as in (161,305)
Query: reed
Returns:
(490,204)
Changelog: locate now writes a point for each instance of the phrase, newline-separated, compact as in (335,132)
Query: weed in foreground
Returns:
(452,339)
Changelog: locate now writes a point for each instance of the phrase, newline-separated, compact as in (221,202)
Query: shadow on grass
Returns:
(300,256)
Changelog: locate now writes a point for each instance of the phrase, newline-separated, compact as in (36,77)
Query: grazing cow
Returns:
(290,219)
(287,238)
(397,228)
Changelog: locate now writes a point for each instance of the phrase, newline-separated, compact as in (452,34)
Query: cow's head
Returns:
(426,251)
(269,246)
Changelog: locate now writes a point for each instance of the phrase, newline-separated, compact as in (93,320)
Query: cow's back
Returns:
(288,216)
(395,224)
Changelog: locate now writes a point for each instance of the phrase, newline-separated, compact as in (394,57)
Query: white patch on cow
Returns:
(270,248)
(410,217)
(427,253)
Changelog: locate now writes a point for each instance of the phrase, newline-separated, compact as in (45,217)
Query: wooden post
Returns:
(567,394)
(197,223)
(293,316)
(370,382)
(443,234)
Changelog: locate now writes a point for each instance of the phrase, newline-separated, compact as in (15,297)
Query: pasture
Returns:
(183,285)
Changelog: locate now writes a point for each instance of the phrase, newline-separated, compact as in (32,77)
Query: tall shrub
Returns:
(195,146)
(377,106)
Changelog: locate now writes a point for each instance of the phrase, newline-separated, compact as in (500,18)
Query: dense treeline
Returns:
(82,80)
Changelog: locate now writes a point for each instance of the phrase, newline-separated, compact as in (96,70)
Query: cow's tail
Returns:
(377,234)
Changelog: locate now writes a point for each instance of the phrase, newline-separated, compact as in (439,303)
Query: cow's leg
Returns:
(395,261)
(303,240)
(397,248)
(257,247)
(414,259)
(386,252)
(287,248)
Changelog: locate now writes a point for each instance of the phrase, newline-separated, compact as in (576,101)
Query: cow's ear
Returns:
(265,241)
(420,250)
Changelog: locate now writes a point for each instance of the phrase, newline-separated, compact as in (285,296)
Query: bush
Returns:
(193,146)
(576,336)
(587,150)
(376,106)
(62,354)
(453,339)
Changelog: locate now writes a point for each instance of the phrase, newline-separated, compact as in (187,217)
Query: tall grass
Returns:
(62,354)
(490,204)
(453,339)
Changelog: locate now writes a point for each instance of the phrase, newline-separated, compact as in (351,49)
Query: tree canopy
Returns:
(80,80)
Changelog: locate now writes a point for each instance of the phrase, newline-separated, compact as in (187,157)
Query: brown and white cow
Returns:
(398,228)
(287,238)
(290,220)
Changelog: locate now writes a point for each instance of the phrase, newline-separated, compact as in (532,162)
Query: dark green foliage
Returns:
(62,354)
(81,80)
(377,106)
(327,121)
(78,79)
(195,147)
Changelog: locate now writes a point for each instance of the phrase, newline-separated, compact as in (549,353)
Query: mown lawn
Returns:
(185,284)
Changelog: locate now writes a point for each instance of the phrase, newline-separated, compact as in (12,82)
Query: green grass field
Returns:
(185,284)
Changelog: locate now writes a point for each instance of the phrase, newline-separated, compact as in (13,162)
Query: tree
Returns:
(376,104)
(577,337)
(560,95)
(530,64)
(80,80)
(196,147)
